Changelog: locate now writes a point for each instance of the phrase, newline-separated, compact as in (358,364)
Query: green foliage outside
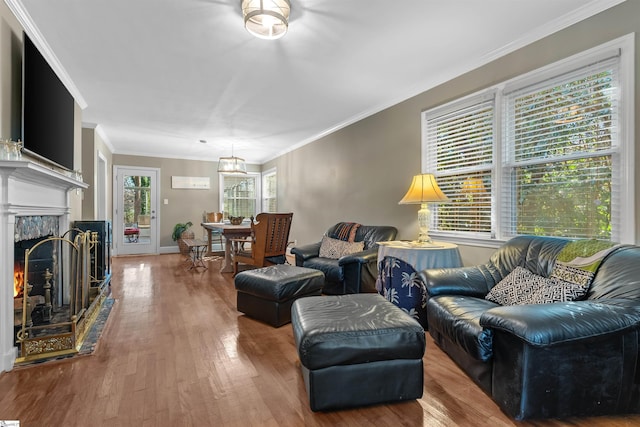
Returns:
(560,169)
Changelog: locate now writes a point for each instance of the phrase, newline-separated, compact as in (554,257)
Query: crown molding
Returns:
(101,133)
(23,17)
(586,11)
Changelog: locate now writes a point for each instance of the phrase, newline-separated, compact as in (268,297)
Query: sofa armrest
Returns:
(547,324)
(305,252)
(363,257)
(469,281)
(360,271)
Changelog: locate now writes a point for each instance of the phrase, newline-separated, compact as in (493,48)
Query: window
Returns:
(240,194)
(461,138)
(269,191)
(544,154)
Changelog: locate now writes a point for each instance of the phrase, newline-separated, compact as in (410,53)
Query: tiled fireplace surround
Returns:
(26,189)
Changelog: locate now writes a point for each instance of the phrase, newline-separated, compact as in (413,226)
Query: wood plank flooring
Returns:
(176,352)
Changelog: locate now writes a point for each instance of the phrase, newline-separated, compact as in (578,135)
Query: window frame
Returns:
(258,183)
(264,199)
(624,173)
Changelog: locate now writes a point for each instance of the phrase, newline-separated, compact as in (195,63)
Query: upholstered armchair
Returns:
(347,255)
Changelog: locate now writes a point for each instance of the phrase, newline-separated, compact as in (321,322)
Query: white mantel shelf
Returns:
(28,171)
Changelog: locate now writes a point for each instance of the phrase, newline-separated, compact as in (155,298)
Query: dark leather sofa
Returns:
(353,273)
(553,360)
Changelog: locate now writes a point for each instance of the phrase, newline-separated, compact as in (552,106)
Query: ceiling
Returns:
(158,76)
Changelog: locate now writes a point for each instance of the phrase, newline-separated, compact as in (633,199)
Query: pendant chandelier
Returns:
(232,164)
(266,19)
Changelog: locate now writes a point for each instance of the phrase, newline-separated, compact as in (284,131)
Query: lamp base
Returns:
(423,224)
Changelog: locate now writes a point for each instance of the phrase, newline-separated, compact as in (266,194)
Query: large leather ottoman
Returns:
(357,350)
(267,293)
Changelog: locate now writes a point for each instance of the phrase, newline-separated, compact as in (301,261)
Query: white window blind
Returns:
(240,194)
(548,153)
(269,192)
(460,154)
(560,145)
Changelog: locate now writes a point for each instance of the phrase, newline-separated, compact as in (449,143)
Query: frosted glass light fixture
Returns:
(423,189)
(232,164)
(266,19)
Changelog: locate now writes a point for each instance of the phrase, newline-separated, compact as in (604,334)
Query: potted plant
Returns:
(180,228)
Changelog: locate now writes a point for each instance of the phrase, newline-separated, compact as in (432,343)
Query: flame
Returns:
(18,280)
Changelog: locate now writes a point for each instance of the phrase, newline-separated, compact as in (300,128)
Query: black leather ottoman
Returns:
(356,350)
(267,293)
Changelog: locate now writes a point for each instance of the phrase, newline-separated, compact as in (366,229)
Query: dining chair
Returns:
(216,235)
(268,241)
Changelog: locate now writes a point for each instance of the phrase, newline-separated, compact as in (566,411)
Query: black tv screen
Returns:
(47,110)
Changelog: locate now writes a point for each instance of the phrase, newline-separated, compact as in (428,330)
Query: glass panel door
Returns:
(136,211)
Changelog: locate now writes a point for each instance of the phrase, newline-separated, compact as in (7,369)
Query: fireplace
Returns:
(29,190)
(57,296)
(43,268)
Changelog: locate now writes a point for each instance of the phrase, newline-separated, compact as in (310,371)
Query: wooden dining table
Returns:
(229,231)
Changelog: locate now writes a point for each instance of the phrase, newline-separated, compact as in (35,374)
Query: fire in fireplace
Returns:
(42,276)
(18,280)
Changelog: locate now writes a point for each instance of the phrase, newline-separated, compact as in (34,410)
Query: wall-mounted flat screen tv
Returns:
(47,110)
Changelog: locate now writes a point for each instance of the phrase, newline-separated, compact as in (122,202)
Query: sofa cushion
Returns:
(330,268)
(335,248)
(458,318)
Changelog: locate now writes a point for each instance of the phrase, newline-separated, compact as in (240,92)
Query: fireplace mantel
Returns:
(27,171)
(26,188)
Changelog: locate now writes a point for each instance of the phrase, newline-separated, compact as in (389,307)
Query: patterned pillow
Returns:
(345,231)
(524,287)
(336,249)
(579,260)
(556,290)
(516,287)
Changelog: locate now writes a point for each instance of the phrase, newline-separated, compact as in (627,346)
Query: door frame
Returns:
(101,186)
(118,221)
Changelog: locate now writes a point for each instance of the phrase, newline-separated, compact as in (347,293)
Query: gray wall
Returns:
(184,204)
(92,143)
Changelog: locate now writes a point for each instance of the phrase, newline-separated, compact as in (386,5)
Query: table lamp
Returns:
(423,189)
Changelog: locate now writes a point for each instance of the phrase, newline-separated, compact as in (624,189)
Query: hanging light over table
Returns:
(232,164)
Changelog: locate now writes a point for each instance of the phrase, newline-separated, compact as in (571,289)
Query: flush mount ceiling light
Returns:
(266,19)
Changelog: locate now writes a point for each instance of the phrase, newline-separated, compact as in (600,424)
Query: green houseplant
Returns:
(180,228)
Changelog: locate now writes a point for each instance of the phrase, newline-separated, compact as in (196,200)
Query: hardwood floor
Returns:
(176,352)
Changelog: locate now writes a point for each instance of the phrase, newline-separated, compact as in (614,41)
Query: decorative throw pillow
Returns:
(524,287)
(336,249)
(556,290)
(516,287)
(579,260)
(345,231)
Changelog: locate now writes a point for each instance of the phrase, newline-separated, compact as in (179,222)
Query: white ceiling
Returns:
(157,76)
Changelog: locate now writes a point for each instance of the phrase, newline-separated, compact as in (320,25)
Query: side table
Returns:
(396,279)
(197,249)
(438,255)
